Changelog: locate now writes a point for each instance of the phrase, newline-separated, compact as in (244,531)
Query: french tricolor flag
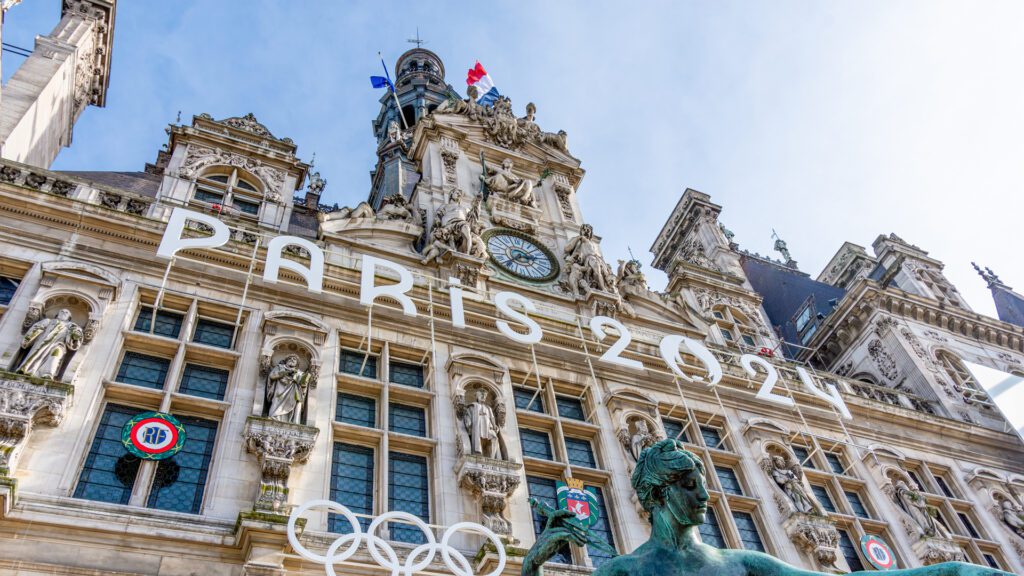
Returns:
(486,91)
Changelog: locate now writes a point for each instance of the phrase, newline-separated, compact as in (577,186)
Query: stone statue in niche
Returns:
(924,515)
(1013,517)
(640,439)
(287,390)
(669,483)
(789,476)
(503,181)
(483,423)
(587,269)
(49,341)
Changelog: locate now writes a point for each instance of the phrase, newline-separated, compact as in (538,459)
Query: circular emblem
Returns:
(153,435)
(877,552)
(520,255)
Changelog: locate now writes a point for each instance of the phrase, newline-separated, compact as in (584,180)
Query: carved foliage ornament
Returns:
(199,157)
(884,361)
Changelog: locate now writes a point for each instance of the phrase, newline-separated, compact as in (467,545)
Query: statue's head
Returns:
(455,195)
(64,314)
(641,425)
(531,109)
(669,479)
(506,163)
(291,360)
(473,93)
(586,231)
(778,461)
(480,394)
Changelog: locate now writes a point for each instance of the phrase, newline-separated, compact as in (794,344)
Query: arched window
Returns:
(223,186)
(409,112)
(734,327)
(963,381)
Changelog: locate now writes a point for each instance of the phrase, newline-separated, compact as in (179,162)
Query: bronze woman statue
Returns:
(669,482)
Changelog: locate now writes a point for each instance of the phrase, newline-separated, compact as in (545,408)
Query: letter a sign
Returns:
(572,496)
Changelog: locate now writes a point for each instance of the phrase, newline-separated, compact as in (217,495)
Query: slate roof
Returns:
(1009,305)
(141,183)
(785,290)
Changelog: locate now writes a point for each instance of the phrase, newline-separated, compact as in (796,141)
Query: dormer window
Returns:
(734,327)
(235,190)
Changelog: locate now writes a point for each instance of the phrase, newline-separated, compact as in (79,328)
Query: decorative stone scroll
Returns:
(492,482)
(279,446)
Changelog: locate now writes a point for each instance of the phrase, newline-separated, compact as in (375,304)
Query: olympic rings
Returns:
(455,560)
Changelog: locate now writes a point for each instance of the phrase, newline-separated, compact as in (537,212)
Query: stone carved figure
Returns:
(1013,517)
(468,107)
(528,129)
(49,341)
(316,183)
(923,514)
(587,269)
(396,208)
(455,229)
(640,439)
(630,278)
(789,476)
(503,181)
(362,210)
(669,484)
(483,425)
(501,125)
(287,390)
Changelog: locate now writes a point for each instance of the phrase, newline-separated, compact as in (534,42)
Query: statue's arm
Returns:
(550,541)
(759,564)
(944,569)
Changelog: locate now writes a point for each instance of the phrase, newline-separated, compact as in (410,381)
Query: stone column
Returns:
(68,70)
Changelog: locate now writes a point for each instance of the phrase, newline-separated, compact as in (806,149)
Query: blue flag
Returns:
(380,82)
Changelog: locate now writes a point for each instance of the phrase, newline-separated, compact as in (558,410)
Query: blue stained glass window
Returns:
(7,288)
(569,407)
(406,374)
(675,429)
(529,399)
(358,410)
(407,420)
(849,550)
(581,452)
(214,333)
(747,528)
(109,471)
(543,489)
(712,437)
(251,208)
(835,462)
(167,323)
(971,530)
(204,381)
(602,528)
(711,531)
(143,370)
(408,491)
(180,480)
(821,493)
(208,196)
(351,485)
(857,505)
(352,361)
(730,483)
(536,444)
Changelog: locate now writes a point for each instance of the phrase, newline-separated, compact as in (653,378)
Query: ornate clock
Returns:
(521,256)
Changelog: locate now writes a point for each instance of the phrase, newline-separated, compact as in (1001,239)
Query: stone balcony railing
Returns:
(67,186)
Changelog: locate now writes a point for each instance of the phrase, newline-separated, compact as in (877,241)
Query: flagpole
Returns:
(391,87)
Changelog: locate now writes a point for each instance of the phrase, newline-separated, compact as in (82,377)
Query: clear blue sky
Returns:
(827,121)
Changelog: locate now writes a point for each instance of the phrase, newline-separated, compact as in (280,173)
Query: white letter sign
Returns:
(458,307)
(832,396)
(502,301)
(314,275)
(669,348)
(765,392)
(369,291)
(612,354)
(172,240)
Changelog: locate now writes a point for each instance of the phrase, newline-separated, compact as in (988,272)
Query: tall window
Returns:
(602,529)
(409,420)
(730,482)
(358,410)
(236,190)
(543,489)
(204,381)
(569,407)
(710,531)
(359,363)
(352,469)
(408,491)
(536,444)
(580,452)
(849,550)
(178,484)
(8,286)
(963,381)
(167,323)
(143,370)
(675,429)
(747,528)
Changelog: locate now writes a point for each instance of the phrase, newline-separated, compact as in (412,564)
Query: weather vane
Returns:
(419,43)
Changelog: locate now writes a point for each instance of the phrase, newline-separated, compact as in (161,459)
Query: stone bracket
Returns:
(492,482)
(935,550)
(25,402)
(815,535)
(279,446)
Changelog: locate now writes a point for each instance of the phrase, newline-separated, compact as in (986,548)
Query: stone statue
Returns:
(629,278)
(528,129)
(482,425)
(922,513)
(394,132)
(559,140)
(640,439)
(468,107)
(287,389)
(1013,517)
(789,477)
(669,484)
(316,183)
(587,269)
(455,229)
(503,181)
(502,126)
(48,341)
(396,208)
(437,247)
(362,210)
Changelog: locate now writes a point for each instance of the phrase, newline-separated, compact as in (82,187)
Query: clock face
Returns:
(520,256)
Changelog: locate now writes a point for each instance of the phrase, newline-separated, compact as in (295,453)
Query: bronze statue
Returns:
(669,483)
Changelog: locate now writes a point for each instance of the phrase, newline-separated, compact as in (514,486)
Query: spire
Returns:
(1009,304)
(989,277)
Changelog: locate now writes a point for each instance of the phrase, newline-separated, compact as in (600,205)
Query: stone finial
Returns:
(989,277)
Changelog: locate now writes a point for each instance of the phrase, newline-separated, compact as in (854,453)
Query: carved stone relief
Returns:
(23,404)
(279,446)
(199,157)
(883,360)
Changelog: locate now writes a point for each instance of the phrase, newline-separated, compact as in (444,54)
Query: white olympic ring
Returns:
(455,560)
